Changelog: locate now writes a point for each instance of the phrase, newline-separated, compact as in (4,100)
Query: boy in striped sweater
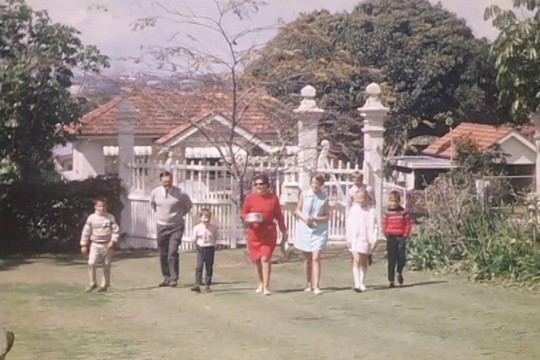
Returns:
(397,226)
(100,232)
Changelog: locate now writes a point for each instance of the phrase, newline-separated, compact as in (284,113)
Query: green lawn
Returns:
(436,317)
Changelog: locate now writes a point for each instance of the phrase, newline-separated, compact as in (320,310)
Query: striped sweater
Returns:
(397,222)
(100,229)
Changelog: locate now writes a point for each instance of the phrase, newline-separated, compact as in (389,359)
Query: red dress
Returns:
(262,237)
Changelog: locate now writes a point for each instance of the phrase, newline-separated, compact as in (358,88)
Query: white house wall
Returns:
(88,159)
(519,153)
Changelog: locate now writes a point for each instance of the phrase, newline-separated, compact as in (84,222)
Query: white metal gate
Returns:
(211,186)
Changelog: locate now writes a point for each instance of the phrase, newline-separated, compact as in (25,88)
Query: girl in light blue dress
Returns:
(313,212)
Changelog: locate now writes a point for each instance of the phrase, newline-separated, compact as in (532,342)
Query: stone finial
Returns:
(373,90)
(308,92)
(373,101)
(308,104)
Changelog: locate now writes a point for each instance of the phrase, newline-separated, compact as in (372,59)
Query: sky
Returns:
(108,23)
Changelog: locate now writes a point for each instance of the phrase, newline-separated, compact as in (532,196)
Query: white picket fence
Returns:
(211,186)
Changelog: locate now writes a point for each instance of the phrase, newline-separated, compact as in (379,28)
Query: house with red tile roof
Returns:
(190,125)
(415,171)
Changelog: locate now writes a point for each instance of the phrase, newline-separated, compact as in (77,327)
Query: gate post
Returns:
(374,113)
(308,115)
(127,115)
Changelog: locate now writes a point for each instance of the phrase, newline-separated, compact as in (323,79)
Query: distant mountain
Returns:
(92,85)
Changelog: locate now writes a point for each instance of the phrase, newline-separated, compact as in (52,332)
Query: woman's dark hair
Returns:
(319,178)
(262,177)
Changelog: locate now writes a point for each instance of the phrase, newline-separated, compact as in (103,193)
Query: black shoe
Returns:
(173,284)
(391,285)
(164,283)
(400,279)
(102,289)
(196,288)
(370,259)
(91,288)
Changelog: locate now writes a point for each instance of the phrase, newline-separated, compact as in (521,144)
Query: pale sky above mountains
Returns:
(111,31)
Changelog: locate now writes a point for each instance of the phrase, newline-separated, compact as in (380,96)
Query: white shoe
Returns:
(267,292)
(308,289)
(317,291)
(362,287)
(259,289)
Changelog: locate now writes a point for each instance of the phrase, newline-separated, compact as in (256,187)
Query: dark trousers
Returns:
(396,247)
(205,257)
(168,241)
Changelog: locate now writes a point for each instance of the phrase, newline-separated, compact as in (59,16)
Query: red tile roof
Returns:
(162,111)
(484,136)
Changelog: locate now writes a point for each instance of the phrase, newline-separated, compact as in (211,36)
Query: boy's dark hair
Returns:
(164,173)
(395,194)
(99,199)
(319,178)
(205,211)
(356,174)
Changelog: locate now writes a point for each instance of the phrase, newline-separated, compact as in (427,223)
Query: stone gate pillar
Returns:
(127,115)
(374,113)
(308,115)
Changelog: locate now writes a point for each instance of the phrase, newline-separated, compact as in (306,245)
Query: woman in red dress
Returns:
(262,236)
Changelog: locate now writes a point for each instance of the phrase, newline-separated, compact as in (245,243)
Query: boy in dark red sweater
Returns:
(397,226)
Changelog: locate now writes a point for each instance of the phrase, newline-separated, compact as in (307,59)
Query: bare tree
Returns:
(215,74)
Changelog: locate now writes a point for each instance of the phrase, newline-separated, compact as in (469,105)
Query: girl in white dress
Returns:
(361,233)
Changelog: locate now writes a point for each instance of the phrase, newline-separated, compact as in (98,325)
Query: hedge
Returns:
(48,218)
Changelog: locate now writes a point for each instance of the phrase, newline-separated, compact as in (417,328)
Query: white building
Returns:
(415,171)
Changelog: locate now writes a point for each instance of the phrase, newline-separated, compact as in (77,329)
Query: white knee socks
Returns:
(362,276)
(356,277)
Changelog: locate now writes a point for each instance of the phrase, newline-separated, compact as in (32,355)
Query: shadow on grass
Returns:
(324,289)
(422,283)
(185,286)
(14,262)
(119,255)
(288,291)
(233,290)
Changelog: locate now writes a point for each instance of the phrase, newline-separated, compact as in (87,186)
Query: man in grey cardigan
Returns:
(170,205)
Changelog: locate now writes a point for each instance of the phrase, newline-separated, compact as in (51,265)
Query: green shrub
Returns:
(499,247)
(513,260)
(489,245)
(473,233)
(427,252)
(49,217)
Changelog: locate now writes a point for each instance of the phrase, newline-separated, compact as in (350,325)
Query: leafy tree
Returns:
(432,68)
(517,55)
(37,59)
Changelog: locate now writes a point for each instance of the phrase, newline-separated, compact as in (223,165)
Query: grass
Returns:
(434,317)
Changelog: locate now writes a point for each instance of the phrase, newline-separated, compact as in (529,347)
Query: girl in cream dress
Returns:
(361,232)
